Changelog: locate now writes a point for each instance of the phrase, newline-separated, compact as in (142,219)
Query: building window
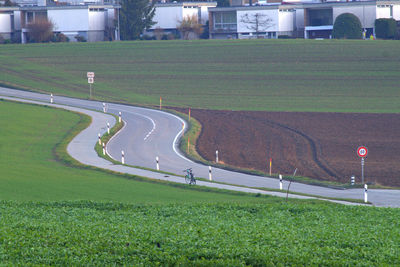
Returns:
(29,17)
(286,10)
(225,21)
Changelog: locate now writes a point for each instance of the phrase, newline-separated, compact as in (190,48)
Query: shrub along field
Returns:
(55,215)
(266,75)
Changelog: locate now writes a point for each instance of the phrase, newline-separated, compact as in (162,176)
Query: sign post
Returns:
(270,166)
(362,152)
(90,76)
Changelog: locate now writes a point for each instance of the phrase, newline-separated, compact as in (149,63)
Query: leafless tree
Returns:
(158,33)
(41,30)
(190,26)
(257,22)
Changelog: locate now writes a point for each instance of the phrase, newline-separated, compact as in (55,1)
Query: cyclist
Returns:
(189,178)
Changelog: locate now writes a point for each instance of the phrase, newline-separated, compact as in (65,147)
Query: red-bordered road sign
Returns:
(362,151)
(90,74)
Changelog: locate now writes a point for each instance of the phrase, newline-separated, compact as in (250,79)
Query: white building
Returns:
(7,21)
(169,15)
(319,18)
(269,21)
(306,19)
(90,22)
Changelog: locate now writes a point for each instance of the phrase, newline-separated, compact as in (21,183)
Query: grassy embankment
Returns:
(31,170)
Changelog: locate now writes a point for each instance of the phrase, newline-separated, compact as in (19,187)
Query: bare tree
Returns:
(190,26)
(257,22)
(40,31)
(158,33)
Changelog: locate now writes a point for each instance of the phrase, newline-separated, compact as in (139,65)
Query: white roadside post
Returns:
(209,173)
(104,107)
(216,156)
(108,127)
(280,182)
(99,139)
(123,157)
(104,149)
(158,165)
(365,193)
(51,98)
(119,117)
(352,180)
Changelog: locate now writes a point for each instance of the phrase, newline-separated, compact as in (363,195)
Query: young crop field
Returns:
(265,75)
(198,234)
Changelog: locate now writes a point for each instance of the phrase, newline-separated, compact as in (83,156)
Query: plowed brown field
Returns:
(321,145)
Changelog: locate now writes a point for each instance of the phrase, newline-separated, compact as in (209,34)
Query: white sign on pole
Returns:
(90,74)
(90,80)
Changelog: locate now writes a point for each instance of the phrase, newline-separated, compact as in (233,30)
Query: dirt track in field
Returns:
(321,145)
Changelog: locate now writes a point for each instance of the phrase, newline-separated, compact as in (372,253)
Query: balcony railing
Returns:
(224,28)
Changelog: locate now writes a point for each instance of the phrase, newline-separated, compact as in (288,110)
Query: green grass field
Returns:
(273,75)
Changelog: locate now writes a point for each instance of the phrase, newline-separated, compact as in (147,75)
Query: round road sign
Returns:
(362,151)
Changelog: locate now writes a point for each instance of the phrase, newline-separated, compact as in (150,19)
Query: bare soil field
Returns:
(321,145)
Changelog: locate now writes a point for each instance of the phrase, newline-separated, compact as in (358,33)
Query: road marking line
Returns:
(120,130)
(177,135)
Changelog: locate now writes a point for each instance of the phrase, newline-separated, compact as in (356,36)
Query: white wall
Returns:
(5,23)
(286,21)
(271,14)
(111,15)
(69,20)
(396,12)
(167,17)
(366,14)
(299,18)
(190,11)
(97,20)
(17,20)
(204,14)
(383,12)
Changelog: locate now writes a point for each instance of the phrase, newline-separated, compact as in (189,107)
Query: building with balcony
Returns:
(319,18)
(295,19)
(89,22)
(244,22)
(168,16)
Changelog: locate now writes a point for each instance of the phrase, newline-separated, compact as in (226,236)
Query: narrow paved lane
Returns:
(151,133)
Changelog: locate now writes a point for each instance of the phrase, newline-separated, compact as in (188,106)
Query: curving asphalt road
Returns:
(152,133)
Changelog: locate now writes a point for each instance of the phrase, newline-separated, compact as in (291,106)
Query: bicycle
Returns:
(189,177)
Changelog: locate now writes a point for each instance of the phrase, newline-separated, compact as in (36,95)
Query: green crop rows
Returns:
(274,75)
(279,233)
